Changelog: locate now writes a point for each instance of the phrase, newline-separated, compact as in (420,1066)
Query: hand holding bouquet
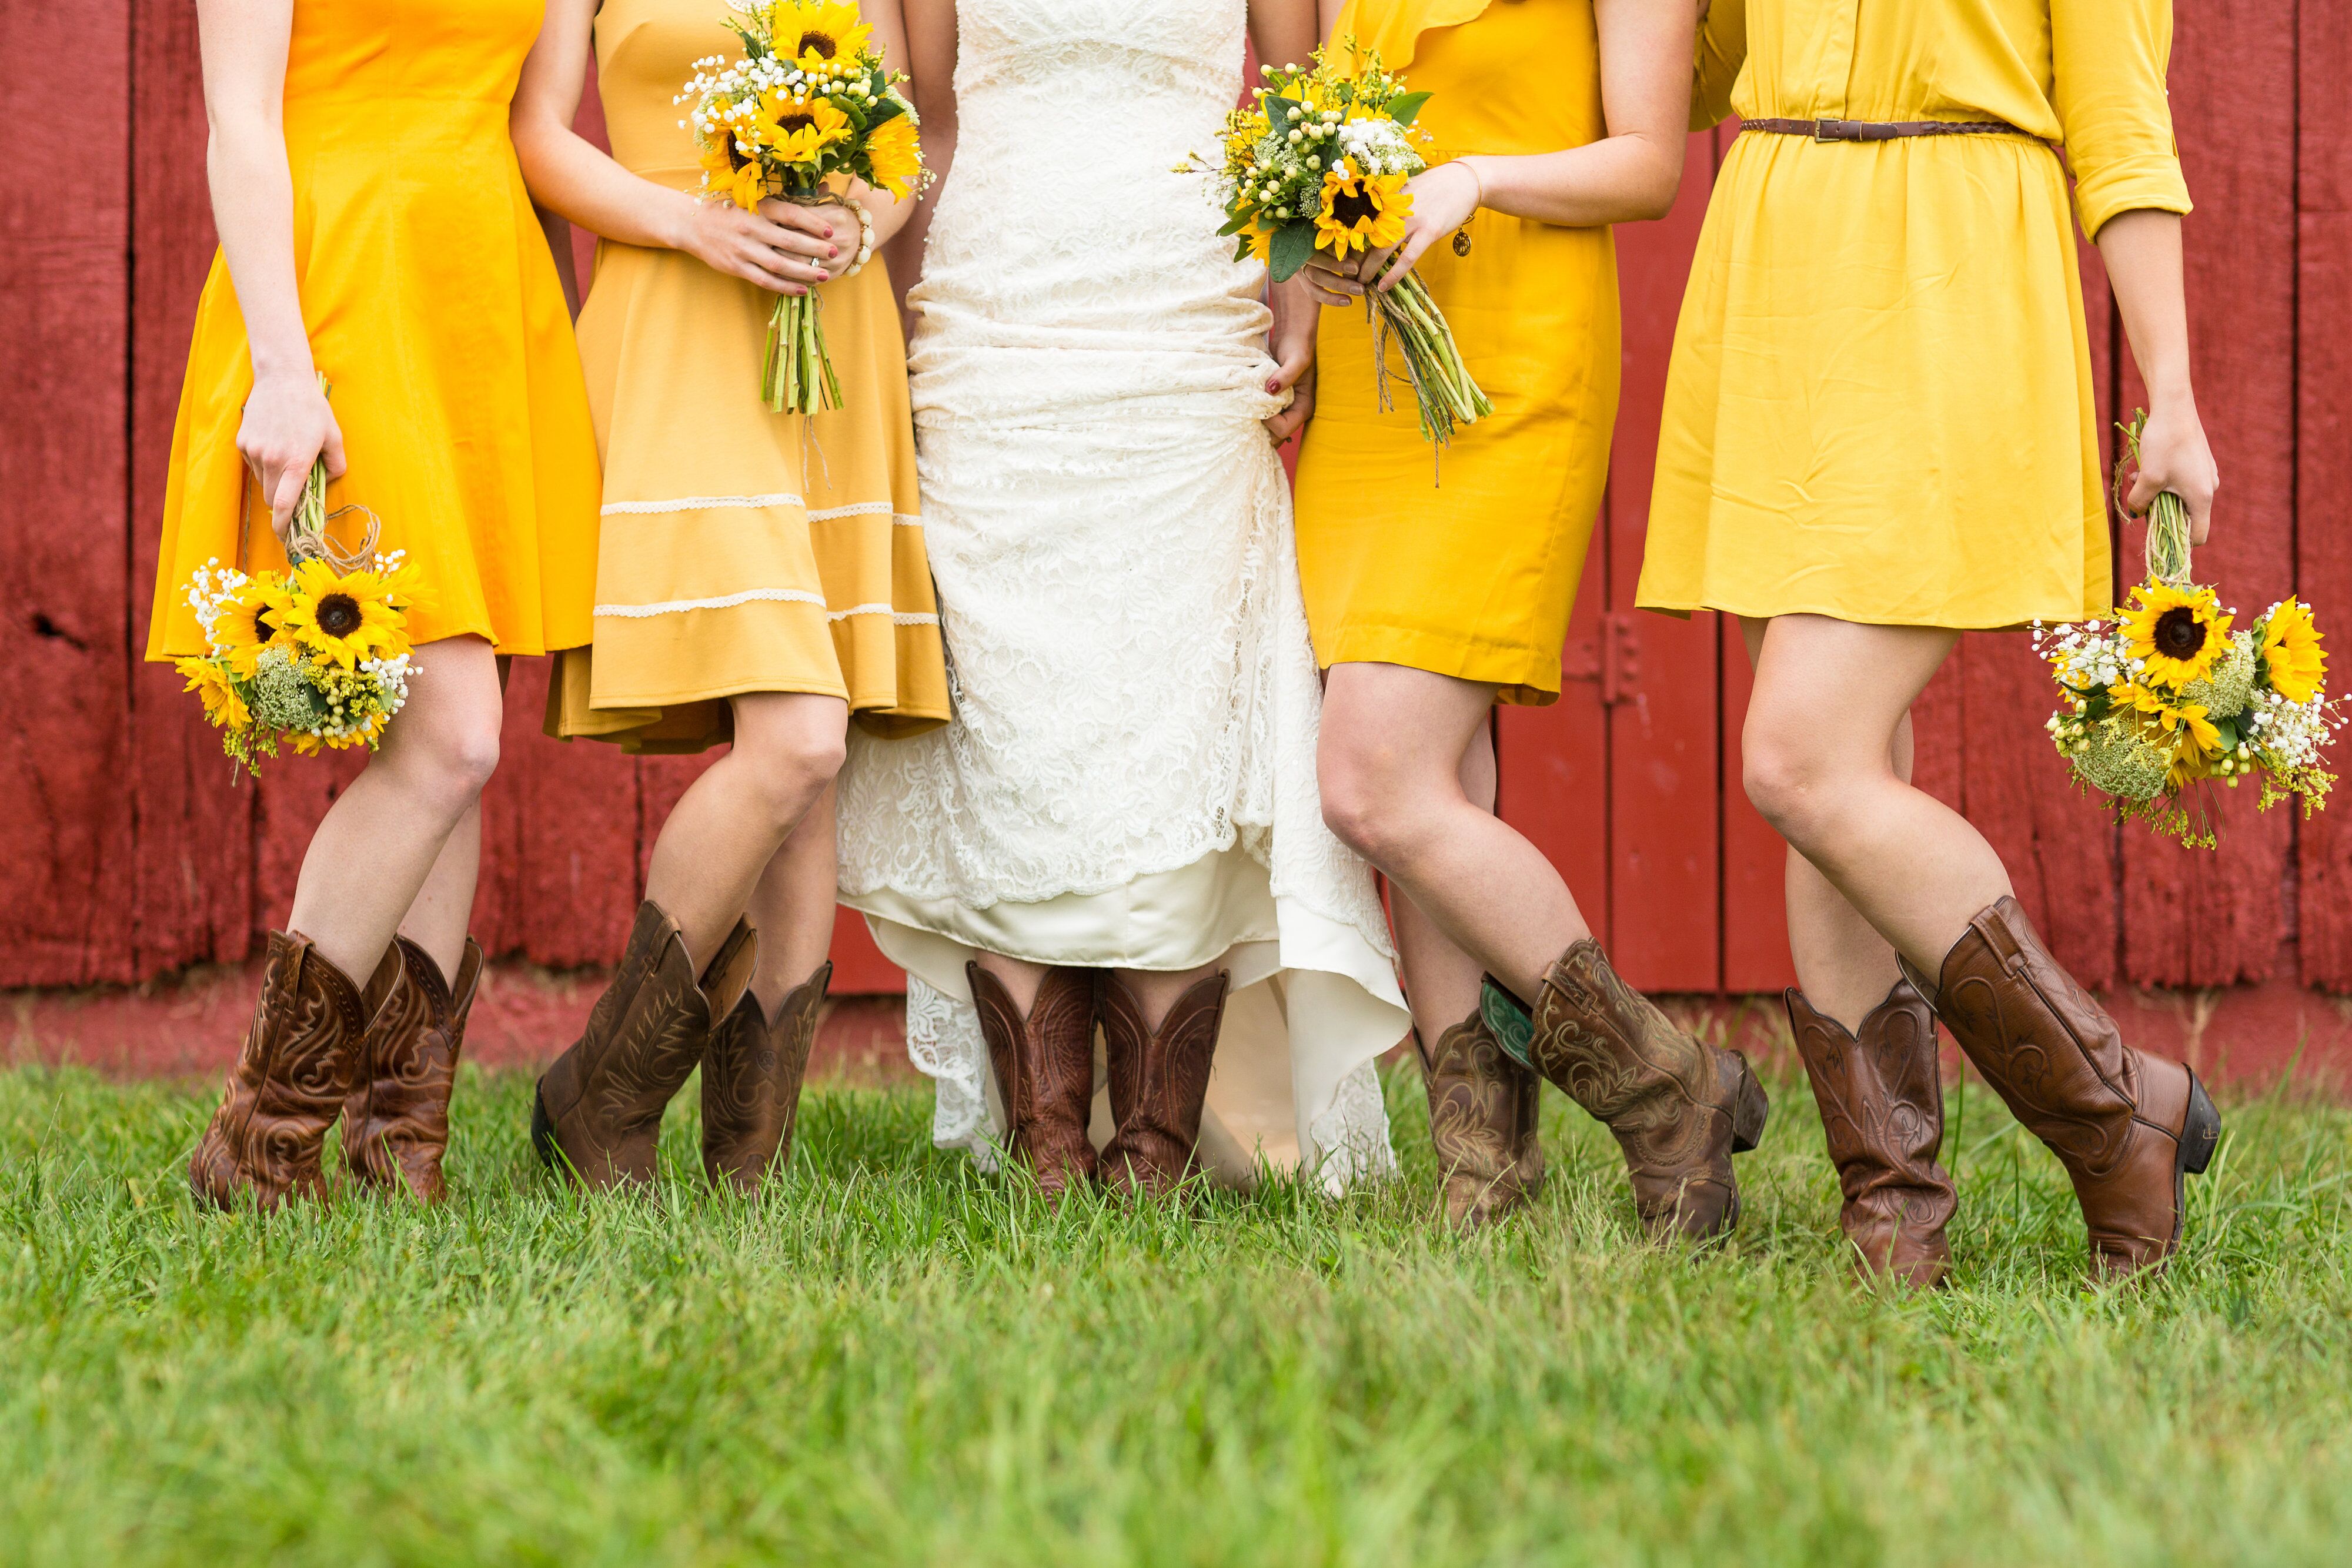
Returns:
(2167,695)
(808,109)
(1318,162)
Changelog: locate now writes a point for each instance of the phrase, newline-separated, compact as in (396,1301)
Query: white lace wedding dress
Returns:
(1130,777)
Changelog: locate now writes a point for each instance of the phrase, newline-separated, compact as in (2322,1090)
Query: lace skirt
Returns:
(1131,780)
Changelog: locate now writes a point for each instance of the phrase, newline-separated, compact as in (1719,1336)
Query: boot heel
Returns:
(2200,1130)
(1749,1108)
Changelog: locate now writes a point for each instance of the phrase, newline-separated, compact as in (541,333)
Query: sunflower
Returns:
(897,155)
(1360,212)
(2188,725)
(255,620)
(800,128)
(210,682)
(810,32)
(2291,657)
(343,620)
(2176,632)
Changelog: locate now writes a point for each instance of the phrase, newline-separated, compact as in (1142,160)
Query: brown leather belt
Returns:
(1883,129)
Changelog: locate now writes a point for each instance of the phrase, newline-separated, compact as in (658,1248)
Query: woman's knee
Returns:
(451,762)
(1796,785)
(1368,798)
(788,772)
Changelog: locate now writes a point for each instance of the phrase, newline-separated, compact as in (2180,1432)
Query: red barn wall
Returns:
(133,852)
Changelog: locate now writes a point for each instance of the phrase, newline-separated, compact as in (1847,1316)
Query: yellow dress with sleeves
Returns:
(742,550)
(1473,575)
(1880,406)
(432,304)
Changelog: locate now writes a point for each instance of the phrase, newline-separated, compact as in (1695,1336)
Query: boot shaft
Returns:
(751,1075)
(1159,1081)
(1044,1066)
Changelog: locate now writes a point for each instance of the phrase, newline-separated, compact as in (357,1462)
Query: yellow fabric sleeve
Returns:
(2108,61)
(1722,50)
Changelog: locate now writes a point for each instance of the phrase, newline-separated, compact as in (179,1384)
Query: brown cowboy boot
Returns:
(598,1110)
(1159,1083)
(303,1055)
(1680,1109)
(1482,1109)
(396,1126)
(1044,1066)
(752,1073)
(2130,1128)
(1882,1103)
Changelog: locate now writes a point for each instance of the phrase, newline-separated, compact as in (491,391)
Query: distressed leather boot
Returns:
(598,1111)
(752,1073)
(1483,1110)
(302,1057)
(2130,1128)
(1882,1102)
(1680,1109)
(1159,1083)
(396,1126)
(1044,1066)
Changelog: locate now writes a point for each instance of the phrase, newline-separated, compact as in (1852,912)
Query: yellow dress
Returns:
(1880,406)
(1469,568)
(743,550)
(434,308)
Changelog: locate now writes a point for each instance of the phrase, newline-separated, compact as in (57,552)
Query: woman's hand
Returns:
(287,426)
(1443,199)
(1293,343)
(783,247)
(2173,456)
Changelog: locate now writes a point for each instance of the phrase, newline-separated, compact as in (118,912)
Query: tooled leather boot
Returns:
(1680,1109)
(1159,1083)
(1482,1109)
(396,1126)
(752,1073)
(302,1057)
(1044,1066)
(597,1112)
(1882,1103)
(2130,1128)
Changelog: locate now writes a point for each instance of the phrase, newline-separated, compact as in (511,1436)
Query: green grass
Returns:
(891,1359)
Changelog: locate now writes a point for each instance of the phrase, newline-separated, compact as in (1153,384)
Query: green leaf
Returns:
(2229,732)
(1237,223)
(1280,112)
(1405,106)
(1292,244)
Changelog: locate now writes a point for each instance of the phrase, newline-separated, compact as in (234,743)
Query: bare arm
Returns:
(931,33)
(1631,173)
(1285,32)
(287,425)
(782,248)
(2142,250)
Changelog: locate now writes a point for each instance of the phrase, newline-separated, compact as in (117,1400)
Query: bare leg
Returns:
(1157,990)
(385,837)
(1441,980)
(730,823)
(443,911)
(1020,976)
(792,906)
(1827,760)
(1391,755)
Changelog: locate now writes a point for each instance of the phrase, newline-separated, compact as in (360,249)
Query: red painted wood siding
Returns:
(132,853)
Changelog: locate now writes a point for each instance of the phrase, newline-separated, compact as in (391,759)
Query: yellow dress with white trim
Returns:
(1880,406)
(1474,576)
(742,550)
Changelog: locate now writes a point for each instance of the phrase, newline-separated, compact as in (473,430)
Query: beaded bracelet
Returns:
(865,238)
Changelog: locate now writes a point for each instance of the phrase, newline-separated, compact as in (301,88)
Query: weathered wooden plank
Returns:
(192,897)
(2323,903)
(2196,918)
(1553,762)
(1664,903)
(561,829)
(65,234)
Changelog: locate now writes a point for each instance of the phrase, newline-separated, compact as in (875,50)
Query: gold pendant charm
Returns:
(1462,242)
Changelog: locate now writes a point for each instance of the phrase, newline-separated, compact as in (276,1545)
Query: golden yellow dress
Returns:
(1473,577)
(433,307)
(743,550)
(1880,406)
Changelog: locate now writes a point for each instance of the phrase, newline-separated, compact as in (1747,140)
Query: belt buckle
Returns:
(1824,130)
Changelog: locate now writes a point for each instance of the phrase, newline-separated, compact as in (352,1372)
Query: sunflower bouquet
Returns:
(808,108)
(2170,692)
(1318,161)
(316,656)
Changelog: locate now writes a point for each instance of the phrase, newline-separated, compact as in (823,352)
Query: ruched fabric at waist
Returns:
(1056,378)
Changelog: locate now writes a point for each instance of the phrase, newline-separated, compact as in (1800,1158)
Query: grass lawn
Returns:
(891,1359)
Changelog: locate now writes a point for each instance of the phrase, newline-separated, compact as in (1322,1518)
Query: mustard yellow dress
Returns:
(433,307)
(1469,568)
(743,550)
(1880,406)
